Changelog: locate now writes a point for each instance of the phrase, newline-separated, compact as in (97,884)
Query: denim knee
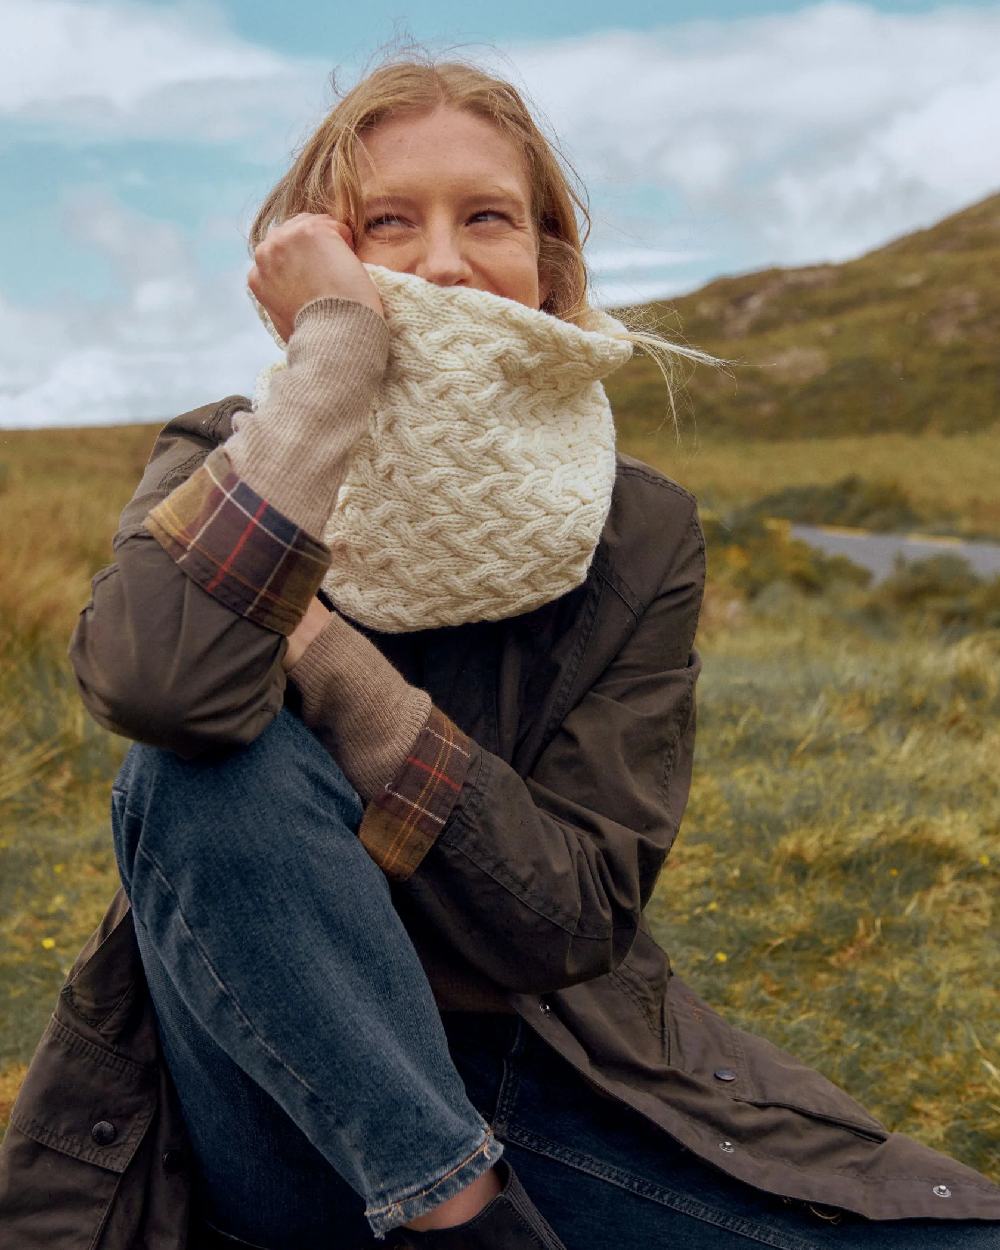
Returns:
(244,797)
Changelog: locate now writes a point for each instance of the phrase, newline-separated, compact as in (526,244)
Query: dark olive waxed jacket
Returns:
(582,713)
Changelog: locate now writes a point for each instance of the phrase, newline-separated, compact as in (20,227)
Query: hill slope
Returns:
(906,338)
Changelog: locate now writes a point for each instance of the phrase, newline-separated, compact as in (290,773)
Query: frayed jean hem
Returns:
(384,1219)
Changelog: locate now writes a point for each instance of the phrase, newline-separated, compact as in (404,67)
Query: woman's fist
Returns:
(305,257)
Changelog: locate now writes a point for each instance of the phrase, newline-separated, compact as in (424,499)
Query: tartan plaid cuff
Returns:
(403,820)
(237,547)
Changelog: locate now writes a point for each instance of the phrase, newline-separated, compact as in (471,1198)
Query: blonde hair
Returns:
(325,170)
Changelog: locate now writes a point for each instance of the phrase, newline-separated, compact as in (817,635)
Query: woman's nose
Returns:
(442,260)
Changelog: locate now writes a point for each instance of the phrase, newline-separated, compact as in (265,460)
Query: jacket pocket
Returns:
(85,1101)
(50,1201)
(79,1119)
(750,1069)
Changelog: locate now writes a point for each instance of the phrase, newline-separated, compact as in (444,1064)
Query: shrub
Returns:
(853,500)
(748,555)
(943,590)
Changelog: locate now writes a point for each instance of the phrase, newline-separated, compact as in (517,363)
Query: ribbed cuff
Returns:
(293,450)
(365,713)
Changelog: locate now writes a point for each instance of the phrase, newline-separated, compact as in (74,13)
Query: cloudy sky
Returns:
(715,136)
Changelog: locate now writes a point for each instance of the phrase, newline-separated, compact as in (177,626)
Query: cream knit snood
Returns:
(472,477)
(483,480)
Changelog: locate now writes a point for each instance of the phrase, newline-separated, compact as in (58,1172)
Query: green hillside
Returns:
(906,338)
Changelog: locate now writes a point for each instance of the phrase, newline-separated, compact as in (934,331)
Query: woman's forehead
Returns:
(465,150)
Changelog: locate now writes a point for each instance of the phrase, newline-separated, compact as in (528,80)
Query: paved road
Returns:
(878,551)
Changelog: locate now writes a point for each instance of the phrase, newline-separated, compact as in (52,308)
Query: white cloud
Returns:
(114,52)
(809,135)
(117,69)
(623,259)
(633,275)
(174,338)
(620,292)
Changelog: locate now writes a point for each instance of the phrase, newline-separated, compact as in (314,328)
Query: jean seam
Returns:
(237,1241)
(746,1226)
(510,1080)
(227,993)
(388,1216)
(429,1189)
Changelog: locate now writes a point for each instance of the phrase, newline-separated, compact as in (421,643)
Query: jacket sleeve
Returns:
(158,659)
(539,882)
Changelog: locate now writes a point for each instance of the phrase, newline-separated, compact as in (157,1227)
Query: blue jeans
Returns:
(324,1094)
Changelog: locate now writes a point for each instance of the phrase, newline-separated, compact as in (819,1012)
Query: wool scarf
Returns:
(482,484)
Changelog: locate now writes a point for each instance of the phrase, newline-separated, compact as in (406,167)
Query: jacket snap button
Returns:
(726,1147)
(724,1074)
(104,1132)
(173,1161)
(942,1191)
(544,1006)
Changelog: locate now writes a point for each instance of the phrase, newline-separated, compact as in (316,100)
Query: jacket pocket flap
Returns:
(779,1080)
(752,1070)
(85,1100)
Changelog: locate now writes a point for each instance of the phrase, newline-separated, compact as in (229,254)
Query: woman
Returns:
(393,931)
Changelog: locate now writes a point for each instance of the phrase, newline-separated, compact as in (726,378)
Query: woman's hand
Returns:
(308,256)
(302,635)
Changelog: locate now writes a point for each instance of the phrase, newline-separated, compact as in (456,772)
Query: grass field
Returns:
(834,886)
(950,480)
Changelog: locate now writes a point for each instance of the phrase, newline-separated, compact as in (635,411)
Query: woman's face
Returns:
(446,197)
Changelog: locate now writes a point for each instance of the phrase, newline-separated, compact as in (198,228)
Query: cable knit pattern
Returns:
(482,484)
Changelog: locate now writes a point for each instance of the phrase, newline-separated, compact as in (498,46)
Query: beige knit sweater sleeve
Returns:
(293,451)
(294,448)
(362,710)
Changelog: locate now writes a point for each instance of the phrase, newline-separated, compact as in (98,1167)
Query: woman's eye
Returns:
(390,219)
(387,219)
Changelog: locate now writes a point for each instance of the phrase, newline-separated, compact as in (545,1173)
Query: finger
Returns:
(345,232)
(304,225)
(326,221)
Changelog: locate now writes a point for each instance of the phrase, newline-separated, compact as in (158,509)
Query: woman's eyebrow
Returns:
(495,194)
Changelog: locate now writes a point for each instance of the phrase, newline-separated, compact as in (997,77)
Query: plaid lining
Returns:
(237,547)
(403,820)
